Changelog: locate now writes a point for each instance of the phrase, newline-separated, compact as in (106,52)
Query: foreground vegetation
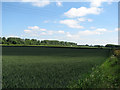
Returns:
(106,75)
(36,67)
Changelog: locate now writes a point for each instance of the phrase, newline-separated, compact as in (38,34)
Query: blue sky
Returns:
(80,22)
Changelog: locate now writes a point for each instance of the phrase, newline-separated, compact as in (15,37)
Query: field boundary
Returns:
(101,77)
(59,47)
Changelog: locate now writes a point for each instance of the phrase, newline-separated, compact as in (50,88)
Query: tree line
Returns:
(19,41)
(14,40)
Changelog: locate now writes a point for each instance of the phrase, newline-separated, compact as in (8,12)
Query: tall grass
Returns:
(35,67)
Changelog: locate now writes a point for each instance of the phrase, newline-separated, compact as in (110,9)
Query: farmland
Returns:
(36,67)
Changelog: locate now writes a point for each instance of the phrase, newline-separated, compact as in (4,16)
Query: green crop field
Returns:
(36,67)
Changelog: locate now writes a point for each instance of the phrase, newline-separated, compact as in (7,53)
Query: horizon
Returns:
(96,25)
(60,41)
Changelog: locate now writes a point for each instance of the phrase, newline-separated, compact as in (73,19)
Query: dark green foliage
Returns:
(0,40)
(35,67)
(105,76)
(112,46)
(13,41)
(98,46)
(4,40)
(19,41)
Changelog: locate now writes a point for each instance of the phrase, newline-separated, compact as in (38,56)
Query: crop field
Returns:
(36,67)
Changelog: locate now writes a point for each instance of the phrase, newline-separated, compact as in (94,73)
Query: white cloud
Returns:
(41,4)
(50,32)
(81,19)
(61,32)
(84,19)
(79,34)
(75,23)
(59,4)
(88,37)
(81,37)
(27,31)
(90,20)
(43,33)
(82,11)
(101,30)
(38,3)
(37,31)
(98,3)
(34,27)
(88,32)
(71,23)
(13,36)
(42,29)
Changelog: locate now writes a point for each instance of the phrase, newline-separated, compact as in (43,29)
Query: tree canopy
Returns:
(14,40)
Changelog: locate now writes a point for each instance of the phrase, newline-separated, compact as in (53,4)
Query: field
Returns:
(36,67)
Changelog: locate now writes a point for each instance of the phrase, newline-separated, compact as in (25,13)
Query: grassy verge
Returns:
(105,76)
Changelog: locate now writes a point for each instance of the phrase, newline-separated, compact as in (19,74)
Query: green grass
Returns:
(35,67)
(105,76)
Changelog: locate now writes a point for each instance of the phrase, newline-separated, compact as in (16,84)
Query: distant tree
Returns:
(14,40)
(110,45)
(27,42)
(86,45)
(97,46)
(4,40)
(0,40)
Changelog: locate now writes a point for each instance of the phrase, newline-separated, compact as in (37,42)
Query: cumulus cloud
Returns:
(80,37)
(79,34)
(98,3)
(38,3)
(37,31)
(75,23)
(93,32)
(82,11)
(71,23)
(89,32)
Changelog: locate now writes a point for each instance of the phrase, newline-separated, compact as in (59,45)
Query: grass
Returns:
(105,76)
(35,67)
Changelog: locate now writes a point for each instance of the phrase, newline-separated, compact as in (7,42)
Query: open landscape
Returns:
(59,44)
(36,67)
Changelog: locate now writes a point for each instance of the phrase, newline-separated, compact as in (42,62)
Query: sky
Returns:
(90,23)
